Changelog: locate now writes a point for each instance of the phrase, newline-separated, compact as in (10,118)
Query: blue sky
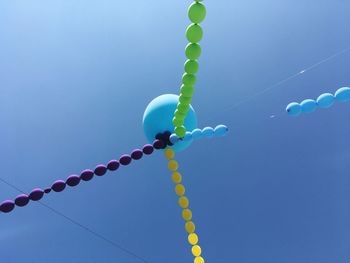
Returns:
(75,78)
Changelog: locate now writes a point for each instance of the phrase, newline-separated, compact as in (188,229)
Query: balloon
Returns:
(220,130)
(176,177)
(342,94)
(179,189)
(193,51)
(325,100)
(196,250)
(199,260)
(194,33)
(188,137)
(193,239)
(190,227)
(173,165)
(183,202)
(293,109)
(191,66)
(196,134)
(308,106)
(196,12)
(158,118)
(208,132)
(187,214)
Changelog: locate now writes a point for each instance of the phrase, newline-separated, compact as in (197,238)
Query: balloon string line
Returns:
(279,83)
(75,222)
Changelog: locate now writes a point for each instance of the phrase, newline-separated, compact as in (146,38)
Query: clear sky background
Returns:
(75,78)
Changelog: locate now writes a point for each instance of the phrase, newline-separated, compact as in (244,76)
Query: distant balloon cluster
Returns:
(325,100)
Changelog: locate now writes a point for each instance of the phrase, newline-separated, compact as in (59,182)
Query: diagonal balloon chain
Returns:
(194,33)
(162,142)
(184,204)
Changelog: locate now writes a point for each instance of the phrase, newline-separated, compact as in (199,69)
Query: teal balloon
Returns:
(325,100)
(188,137)
(220,130)
(293,109)
(208,132)
(196,134)
(174,138)
(342,94)
(308,105)
(158,116)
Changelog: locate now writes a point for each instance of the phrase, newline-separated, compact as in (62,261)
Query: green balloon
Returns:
(187,90)
(196,12)
(180,114)
(194,33)
(178,122)
(183,108)
(180,131)
(193,51)
(188,79)
(184,99)
(191,66)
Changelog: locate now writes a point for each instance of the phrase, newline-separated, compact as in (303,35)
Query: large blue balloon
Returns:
(158,118)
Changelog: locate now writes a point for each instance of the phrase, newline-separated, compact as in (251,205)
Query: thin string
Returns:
(75,222)
(283,81)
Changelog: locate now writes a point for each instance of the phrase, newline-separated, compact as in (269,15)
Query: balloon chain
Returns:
(207,132)
(325,100)
(194,34)
(86,175)
(184,204)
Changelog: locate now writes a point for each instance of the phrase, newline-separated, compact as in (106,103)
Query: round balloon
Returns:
(158,117)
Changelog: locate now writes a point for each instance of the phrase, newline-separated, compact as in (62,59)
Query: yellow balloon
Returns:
(173,165)
(190,227)
(199,260)
(176,177)
(169,153)
(193,239)
(183,202)
(187,214)
(180,190)
(196,250)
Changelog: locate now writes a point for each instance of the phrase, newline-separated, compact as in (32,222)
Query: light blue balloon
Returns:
(220,130)
(188,137)
(174,138)
(196,134)
(342,94)
(293,109)
(158,118)
(308,105)
(325,100)
(208,132)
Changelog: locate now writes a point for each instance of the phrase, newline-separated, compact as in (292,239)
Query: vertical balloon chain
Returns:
(184,204)
(194,33)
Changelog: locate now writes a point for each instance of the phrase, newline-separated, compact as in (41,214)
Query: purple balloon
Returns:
(148,149)
(158,144)
(47,190)
(22,200)
(7,206)
(58,186)
(73,180)
(36,194)
(136,154)
(125,159)
(100,170)
(113,165)
(86,175)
